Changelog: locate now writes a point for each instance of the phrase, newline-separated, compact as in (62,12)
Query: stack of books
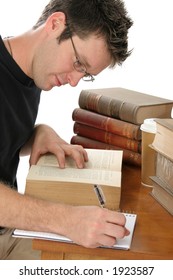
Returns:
(110,118)
(163,180)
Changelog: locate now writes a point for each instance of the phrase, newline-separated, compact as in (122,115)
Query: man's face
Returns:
(53,63)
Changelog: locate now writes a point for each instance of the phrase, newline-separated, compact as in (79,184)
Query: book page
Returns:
(93,176)
(98,159)
(104,159)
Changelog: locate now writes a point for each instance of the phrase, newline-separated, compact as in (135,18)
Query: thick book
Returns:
(164,137)
(108,124)
(123,243)
(164,170)
(162,194)
(78,186)
(107,137)
(125,104)
(129,157)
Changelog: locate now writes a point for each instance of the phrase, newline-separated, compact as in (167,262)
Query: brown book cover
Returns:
(106,123)
(77,186)
(164,137)
(125,104)
(162,194)
(129,157)
(106,137)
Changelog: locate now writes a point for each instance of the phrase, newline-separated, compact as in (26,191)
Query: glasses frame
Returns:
(80,67)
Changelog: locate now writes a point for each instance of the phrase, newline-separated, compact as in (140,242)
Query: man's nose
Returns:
(74,78)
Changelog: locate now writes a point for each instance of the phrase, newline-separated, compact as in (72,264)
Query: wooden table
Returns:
(153,235)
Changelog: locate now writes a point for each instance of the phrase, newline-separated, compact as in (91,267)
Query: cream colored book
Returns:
(124,243)
(163,139)
(77,186)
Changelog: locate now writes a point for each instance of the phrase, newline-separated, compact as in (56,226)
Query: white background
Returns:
(148,69)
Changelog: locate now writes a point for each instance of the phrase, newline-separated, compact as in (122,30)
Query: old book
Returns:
(162,194)
(129,157)
(125,104)
(107,137)
(164,170)
(164,136)
(77,186)
(106,123)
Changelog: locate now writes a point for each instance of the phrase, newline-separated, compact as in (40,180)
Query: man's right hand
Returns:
(92,226)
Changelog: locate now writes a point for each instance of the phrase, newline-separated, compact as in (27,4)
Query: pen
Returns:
(100,195)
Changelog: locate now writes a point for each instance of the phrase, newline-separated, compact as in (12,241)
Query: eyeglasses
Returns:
(80,67)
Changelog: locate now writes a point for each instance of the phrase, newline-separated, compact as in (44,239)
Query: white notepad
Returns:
(124,243)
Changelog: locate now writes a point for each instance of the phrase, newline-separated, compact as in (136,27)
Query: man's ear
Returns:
(56,22)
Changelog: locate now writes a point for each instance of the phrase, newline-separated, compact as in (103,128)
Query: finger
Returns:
(107,241)
(115,231)
(34,157)
(79,155)
(120,220)
(58,152)
(60,155)
(127,232)
(85,155)
(115,217)
(79,159)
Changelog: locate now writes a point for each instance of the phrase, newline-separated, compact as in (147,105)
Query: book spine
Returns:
(129,106)
(108,124)
(164,170)
(107,137)
(129,157)
(99,103)
(163,195)
(107,106)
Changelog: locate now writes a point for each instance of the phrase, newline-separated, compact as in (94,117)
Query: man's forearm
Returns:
(25,212)
(90,226)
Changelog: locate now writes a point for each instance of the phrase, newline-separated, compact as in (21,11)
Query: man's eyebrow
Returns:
(84,61)
(87,65)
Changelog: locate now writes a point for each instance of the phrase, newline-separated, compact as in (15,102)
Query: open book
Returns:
(123,243)
(76,186)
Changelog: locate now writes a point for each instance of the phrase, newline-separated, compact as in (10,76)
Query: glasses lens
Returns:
(88,78)
(79,66)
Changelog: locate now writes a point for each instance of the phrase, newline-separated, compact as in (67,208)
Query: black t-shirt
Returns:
(19,101)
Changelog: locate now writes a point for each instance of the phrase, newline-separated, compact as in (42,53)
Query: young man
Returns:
(71,40)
